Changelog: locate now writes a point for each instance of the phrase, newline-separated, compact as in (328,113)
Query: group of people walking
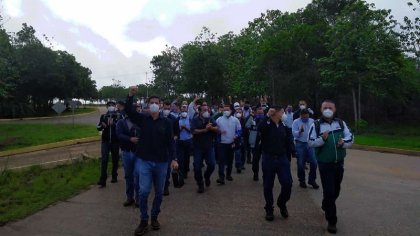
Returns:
(158,138)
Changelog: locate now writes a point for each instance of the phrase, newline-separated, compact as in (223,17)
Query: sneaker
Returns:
(256,177)
(155,223)
(142,228)
(284,212)
(239,170)
(200,189)
(303,185)
(101,184)
(229,178)
(332,229)
(128,202)
(243,168)
(136,204)
(220,181)
(186,175)
(114,180)
(207,182)
(314,185)
(269,216)
(166,191)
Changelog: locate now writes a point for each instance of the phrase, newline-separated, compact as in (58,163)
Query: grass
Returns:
(25,192)
(401,136)
(15,136)
(77,111)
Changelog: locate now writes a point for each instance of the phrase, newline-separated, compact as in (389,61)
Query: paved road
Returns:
(380,196)
(91,118)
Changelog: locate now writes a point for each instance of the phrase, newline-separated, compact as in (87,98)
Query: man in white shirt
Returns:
(230,129)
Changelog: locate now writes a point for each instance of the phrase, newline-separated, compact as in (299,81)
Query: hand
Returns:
(133,91)
(111,121)
(134,140)
(209,126)
(325,135)
(174,165)
(103,125)
(340,142)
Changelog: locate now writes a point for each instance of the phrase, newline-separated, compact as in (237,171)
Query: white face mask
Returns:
(184,114)
(327,113)
(206,114)
(111,109)
(154,108)
(166,113)
(238,115)
(284,117)
(226,113)
(302,107)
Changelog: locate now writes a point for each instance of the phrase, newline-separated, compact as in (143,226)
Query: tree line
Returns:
(33,74)
(346,50)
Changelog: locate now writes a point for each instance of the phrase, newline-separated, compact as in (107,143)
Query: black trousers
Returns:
(331,176)
(106,148)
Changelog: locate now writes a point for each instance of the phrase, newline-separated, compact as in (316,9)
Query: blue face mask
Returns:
(259,116)
(304,120)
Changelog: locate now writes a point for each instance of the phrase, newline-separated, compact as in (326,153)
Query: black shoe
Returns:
(332,229)
(186,175)
(155,224)
(314,185)
(229,178)
(128,202)
(136,204)
(101,184)
(220,181)
(303,185)
(114,180)
(200,189)
(207,182)
(284,212)
(243,168)
(166,191)
(238,170)
(269,216)
(142,228)
(256,177)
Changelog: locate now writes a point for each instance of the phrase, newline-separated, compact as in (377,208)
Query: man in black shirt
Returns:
(107,124)
(156,146)
(275,143)
(204,131)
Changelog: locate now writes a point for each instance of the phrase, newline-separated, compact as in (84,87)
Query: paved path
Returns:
(380,196)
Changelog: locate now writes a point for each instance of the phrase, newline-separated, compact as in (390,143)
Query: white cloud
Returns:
(90,47)
(13,7)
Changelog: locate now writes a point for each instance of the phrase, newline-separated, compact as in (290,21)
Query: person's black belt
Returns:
(297,141)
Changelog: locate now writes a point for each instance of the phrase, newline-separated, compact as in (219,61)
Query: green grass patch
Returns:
(15,136)
(401,136)
(25,192)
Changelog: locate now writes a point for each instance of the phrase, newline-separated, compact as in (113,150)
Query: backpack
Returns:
(317,125)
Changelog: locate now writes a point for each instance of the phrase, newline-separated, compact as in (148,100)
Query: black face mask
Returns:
(246,108)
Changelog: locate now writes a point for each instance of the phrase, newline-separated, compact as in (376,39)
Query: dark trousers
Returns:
(184,152)
(331,177)
(200,155)
(256,157)
(280,166)
(225,159)
(106,148)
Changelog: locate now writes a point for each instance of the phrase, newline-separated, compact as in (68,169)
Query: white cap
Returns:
(236,105)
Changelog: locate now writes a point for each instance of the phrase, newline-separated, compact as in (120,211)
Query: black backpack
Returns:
(177,178)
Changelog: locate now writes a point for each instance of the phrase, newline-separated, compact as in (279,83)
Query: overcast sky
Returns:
(117,39)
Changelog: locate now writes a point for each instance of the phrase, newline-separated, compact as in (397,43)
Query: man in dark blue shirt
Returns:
(204,131)
(155,147)
(276,144)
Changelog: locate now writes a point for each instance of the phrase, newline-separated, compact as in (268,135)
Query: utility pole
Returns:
(147,86)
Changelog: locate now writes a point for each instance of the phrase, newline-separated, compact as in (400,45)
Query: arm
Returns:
(191,110)
(121,130)
(348,137)
(238,128)
(295,130)
(313,139)
(135,117)
(100,126)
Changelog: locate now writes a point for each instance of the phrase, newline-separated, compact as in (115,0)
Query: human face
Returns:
(184,108)
(327,105)
(278,115)
(204,109)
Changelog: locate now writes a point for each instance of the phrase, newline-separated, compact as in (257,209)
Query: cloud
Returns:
(13,7)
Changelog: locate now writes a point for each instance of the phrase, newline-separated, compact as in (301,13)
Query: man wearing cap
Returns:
(302,105)
(109,143)
(305,153)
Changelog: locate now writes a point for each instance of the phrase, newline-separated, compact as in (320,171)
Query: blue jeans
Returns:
(280,166)
(331,177)
(305,154)
(200,155)
(225,159)
(151,172)
(107,147)
(130,175)
(239,159)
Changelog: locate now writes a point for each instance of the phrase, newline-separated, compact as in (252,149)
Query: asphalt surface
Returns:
(380,196)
